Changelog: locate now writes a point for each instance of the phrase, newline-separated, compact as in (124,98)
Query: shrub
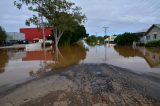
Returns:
(153,44)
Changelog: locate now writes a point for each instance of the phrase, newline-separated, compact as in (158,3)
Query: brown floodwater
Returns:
(19,65)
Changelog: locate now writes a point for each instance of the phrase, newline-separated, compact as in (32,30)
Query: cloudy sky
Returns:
(119,15)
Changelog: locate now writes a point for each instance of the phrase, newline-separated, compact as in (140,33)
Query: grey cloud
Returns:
(119,15)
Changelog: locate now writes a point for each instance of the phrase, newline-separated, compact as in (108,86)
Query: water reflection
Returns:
(151,55)
(127,51)
(18,65)
(63,56)
(70,55)
(3,60)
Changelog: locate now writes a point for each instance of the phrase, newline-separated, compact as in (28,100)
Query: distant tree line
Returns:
(94,40)
(126,38)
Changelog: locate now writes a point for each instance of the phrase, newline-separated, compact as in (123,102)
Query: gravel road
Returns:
(87,85)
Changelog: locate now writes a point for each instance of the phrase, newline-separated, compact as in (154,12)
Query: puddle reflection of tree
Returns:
(127,51)
(4,60)
(63,56)
(71,55)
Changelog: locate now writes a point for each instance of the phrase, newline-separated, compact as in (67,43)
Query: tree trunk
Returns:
(58,54)
(57,35)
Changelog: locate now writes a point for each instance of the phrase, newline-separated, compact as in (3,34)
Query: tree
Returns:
(126,38)
(3,35)
(92,40)
(70,37)
(60,15)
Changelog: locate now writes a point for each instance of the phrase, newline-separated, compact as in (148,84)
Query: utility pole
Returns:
(105,30)
(96,33)
(96,45)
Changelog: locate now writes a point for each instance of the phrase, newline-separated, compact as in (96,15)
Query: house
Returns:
(110,39)
(153,34)
(32,34)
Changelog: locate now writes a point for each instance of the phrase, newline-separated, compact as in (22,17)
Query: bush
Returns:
(153,44)
(126,39)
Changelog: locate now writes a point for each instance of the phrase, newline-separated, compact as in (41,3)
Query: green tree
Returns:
(126,39)
(70,37)
(61,15)
(91,40)
(100,39)
(3,35)
(105,37)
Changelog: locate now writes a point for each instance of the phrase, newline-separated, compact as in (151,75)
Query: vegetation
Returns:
(3,35)
(60,15)
(94,40)
(70,37)
(153,44)
(126,39)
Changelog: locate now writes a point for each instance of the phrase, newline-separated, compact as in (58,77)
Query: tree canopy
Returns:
(70,37)
(94,40)
(61,15)
(126,38)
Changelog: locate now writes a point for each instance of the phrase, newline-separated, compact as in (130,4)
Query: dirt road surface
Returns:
(87,85)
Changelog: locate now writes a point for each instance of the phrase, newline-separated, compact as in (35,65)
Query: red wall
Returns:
(32,33)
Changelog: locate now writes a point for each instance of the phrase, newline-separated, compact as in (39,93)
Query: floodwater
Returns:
(19,65)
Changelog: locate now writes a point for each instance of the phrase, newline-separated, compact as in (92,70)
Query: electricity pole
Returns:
(96,33)
(105,30)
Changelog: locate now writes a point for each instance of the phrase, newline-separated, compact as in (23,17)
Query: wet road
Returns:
(88,85)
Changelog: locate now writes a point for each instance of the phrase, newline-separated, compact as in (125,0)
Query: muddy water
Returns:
(138,59)
(18,65)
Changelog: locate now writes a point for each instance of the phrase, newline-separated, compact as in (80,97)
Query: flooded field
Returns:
(19,65)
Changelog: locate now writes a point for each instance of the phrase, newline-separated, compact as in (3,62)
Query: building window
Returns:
(155,36)
(148,37)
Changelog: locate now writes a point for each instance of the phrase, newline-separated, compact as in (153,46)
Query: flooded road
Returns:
(17,66)
(138,59)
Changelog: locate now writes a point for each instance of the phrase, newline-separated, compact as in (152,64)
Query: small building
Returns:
(110,39)
(153,34)
(15,36)
(32,34)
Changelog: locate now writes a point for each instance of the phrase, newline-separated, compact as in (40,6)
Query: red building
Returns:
(35,33)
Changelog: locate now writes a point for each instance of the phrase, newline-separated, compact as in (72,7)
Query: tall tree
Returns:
(61,15)
(2,34)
